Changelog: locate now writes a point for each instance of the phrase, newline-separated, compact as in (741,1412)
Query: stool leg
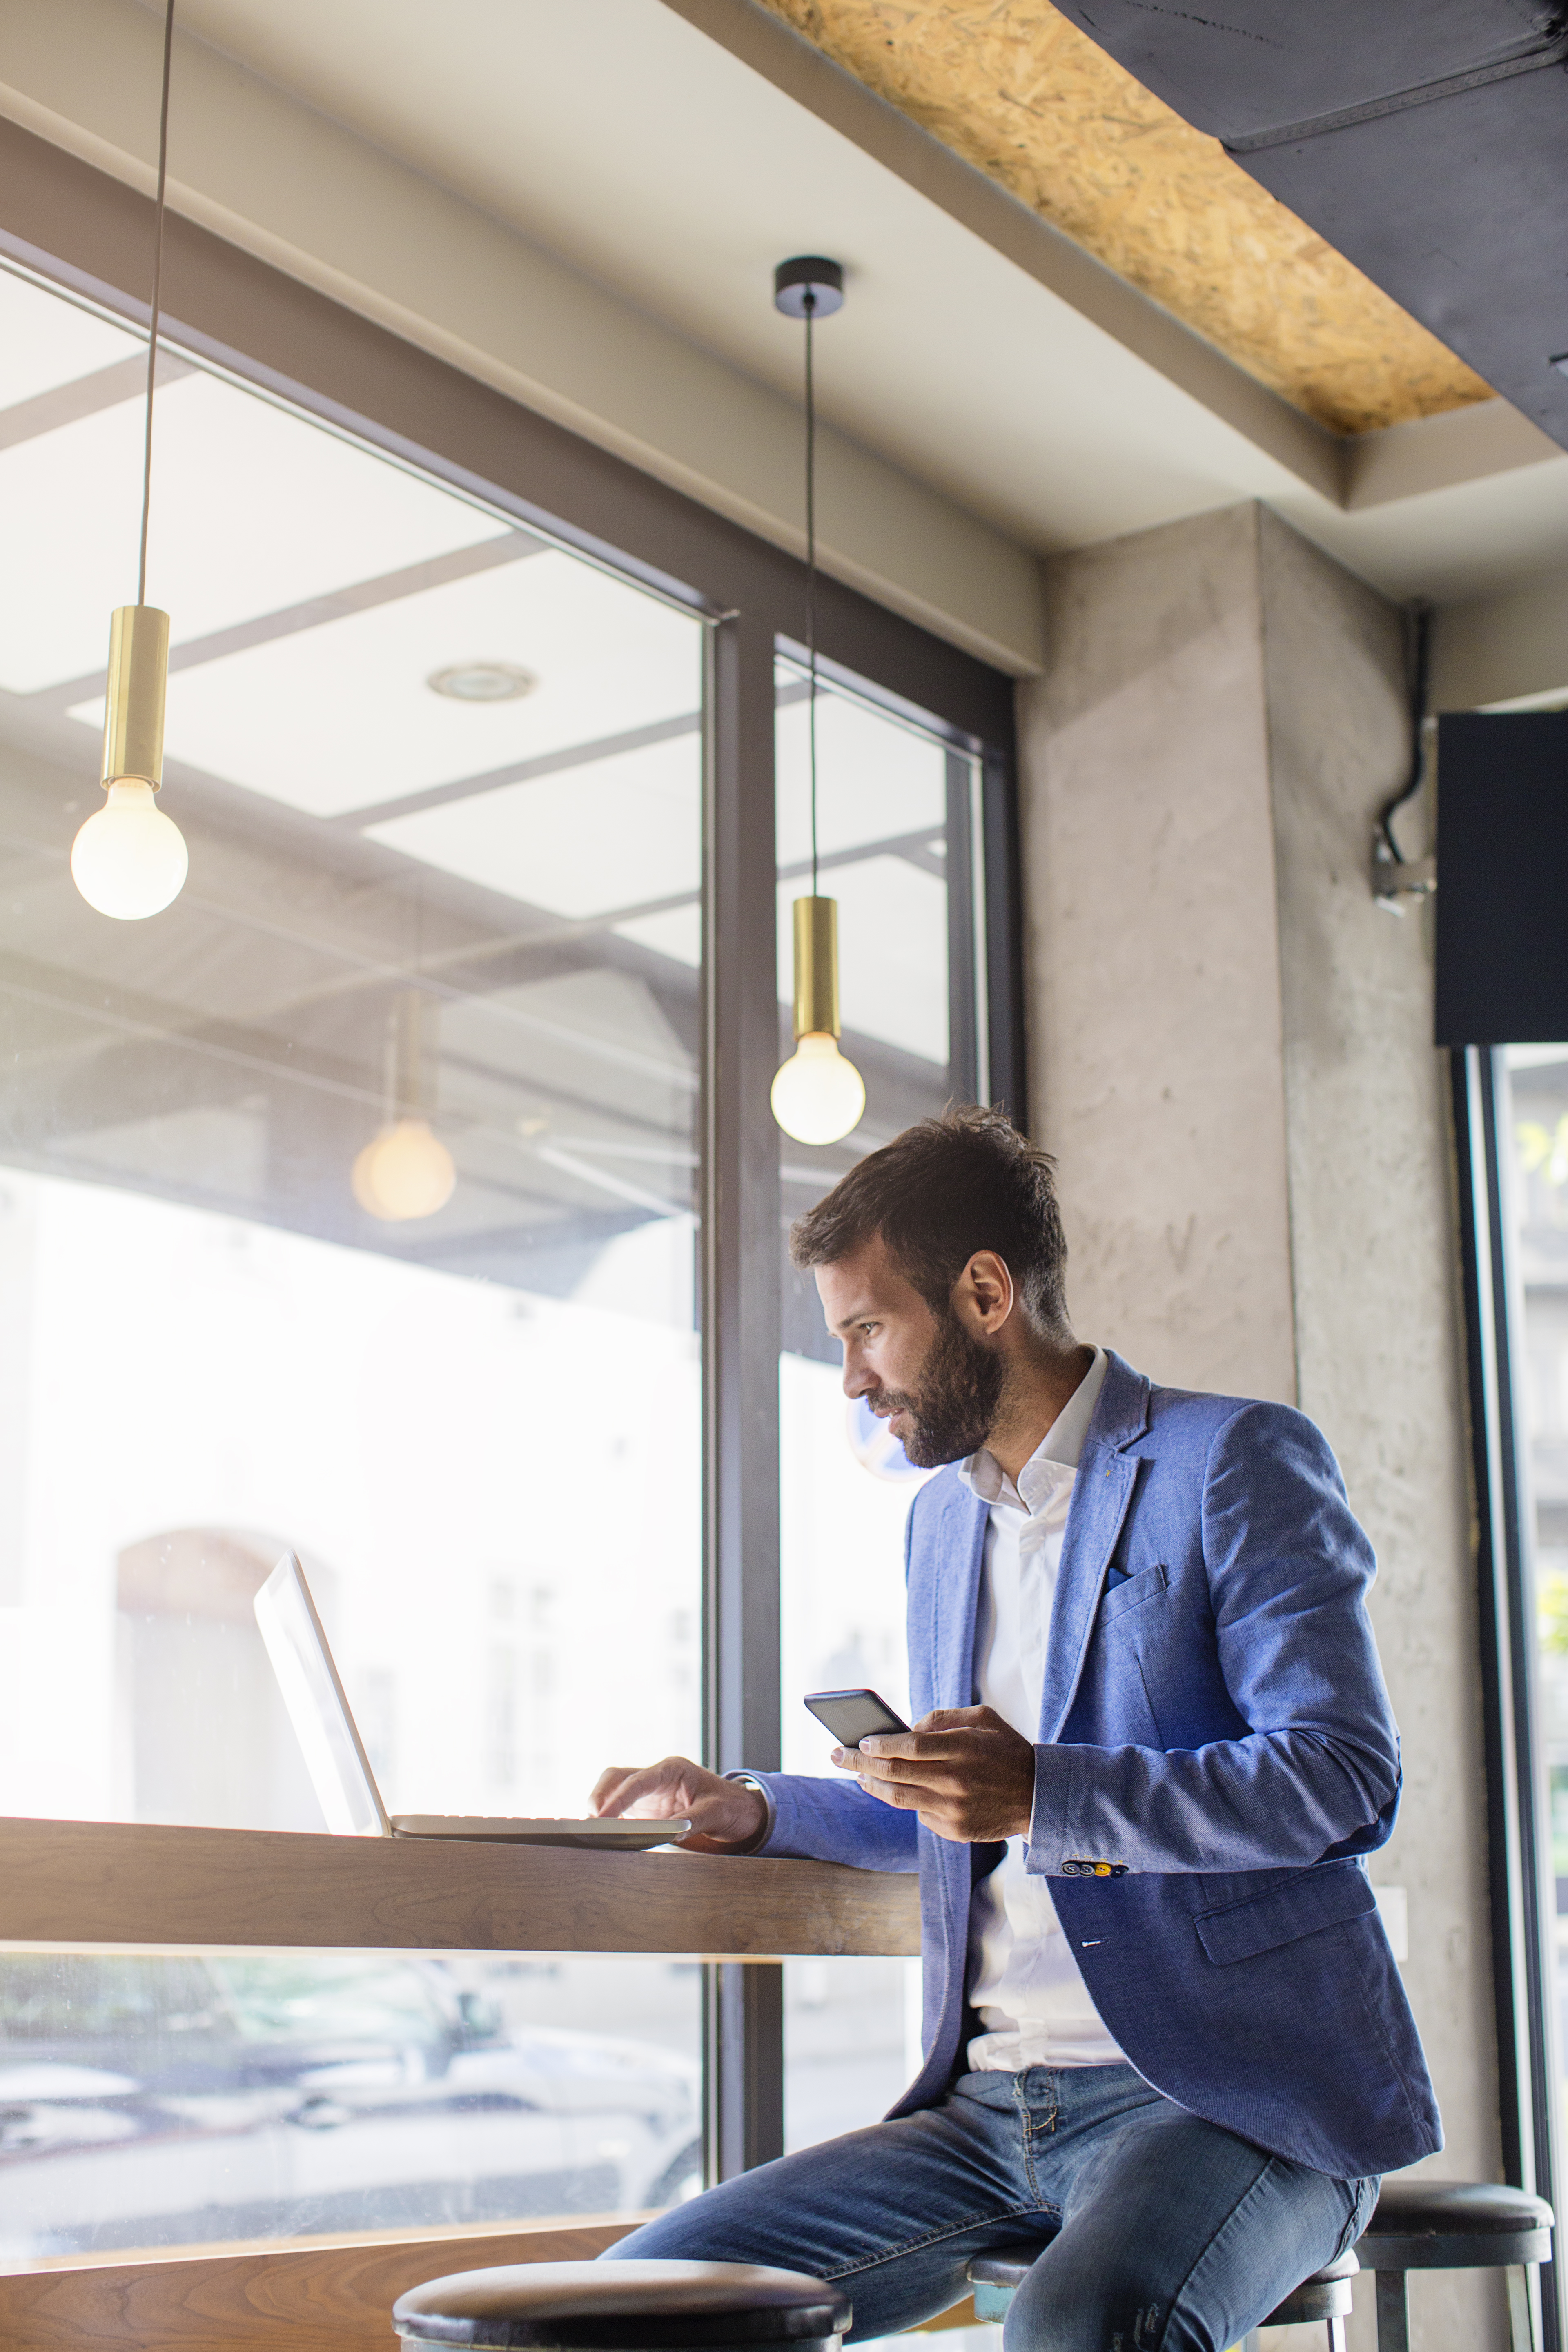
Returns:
(1393,2313)
(1336,2336)
(1520,2316)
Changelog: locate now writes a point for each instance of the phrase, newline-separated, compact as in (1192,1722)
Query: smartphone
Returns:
(852,1716)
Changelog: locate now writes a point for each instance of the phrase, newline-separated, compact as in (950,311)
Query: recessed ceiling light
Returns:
(482,681)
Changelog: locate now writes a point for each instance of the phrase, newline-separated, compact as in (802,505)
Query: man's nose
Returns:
(857,1381)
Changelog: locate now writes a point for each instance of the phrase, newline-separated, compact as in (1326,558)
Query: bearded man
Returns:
(1165,2033)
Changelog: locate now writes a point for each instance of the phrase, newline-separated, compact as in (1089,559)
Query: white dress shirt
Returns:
(1023,1979)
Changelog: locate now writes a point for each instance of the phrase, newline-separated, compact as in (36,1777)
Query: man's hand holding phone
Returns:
(726,1816)
(964,1773)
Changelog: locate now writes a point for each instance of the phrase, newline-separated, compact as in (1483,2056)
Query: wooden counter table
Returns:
(131,1884)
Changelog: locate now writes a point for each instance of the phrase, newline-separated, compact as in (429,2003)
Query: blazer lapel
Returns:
(1100,1495)
(958,1605)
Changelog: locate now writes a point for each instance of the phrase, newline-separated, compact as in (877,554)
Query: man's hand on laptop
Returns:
(966,1775)
(725,1815)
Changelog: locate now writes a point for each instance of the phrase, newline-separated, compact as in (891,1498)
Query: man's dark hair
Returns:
(942,1190)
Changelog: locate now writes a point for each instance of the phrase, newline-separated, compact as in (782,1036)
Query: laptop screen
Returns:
(339,1768)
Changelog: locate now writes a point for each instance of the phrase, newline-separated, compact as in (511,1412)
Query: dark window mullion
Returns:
(740,1326)
(1007,1076)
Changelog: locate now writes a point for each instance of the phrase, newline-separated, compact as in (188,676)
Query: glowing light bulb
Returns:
(408,1172)
(817,1096)
(130,860)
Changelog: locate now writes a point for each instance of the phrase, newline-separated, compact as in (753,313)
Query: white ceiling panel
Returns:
(45,343)
(253,510)
(613,832)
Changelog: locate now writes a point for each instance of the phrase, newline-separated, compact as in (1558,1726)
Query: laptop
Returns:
(340,1769)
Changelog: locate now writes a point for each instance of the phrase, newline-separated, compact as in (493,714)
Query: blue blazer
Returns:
(1216,1730)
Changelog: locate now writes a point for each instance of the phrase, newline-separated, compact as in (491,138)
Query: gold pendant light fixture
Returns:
(818,1096)
(129,860)
(405,1171)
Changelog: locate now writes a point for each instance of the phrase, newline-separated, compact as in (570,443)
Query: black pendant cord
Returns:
(1418,634)
(809,306)
(157,294)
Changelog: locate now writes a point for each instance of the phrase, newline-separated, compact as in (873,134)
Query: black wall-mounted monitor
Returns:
(1502,879)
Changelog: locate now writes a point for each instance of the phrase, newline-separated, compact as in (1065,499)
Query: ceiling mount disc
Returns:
(808,273)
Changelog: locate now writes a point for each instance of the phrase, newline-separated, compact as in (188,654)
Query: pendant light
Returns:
(129,860)
(405,1171)
(818,1096)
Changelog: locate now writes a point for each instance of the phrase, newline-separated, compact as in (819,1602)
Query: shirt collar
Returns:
(1054,1461)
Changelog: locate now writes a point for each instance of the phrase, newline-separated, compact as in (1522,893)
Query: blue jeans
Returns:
(1164,2229)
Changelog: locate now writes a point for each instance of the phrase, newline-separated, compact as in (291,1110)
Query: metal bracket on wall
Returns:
(1397,880)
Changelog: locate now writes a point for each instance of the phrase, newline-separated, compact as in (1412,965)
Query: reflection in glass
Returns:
(476,1417)
(151,2099)
(852,2030)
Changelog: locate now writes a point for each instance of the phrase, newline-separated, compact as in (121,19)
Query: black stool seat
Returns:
(1325,2295)
(622,2308)
(1455,2225)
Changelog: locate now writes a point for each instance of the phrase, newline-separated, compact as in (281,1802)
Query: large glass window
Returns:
(352,1205)
(1532,1133)
(441,785)
(896,823)
(1511,1121)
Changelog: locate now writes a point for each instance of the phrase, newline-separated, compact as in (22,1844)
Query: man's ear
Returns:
(983,1295)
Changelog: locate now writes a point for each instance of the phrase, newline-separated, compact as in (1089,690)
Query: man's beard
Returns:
(952,1411)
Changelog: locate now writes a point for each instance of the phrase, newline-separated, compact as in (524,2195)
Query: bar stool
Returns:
(625,2307)
(1326,2295)
(1453,2225)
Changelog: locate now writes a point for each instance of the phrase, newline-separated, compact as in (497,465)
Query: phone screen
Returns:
(852,1716)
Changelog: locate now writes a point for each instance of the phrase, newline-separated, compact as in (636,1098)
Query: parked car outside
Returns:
(153,2099)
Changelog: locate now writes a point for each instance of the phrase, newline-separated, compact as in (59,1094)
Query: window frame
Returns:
(1523,1903)
(87,232)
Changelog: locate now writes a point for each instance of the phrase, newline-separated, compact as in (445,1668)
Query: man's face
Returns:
(933,1382)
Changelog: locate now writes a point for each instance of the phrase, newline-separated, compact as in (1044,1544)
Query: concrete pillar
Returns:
(1231,1057)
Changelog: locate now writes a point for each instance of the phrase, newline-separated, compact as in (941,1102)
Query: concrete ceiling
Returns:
(1025,97)
(668,154)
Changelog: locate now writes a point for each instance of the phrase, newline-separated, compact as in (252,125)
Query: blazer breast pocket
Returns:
(1132,1592)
